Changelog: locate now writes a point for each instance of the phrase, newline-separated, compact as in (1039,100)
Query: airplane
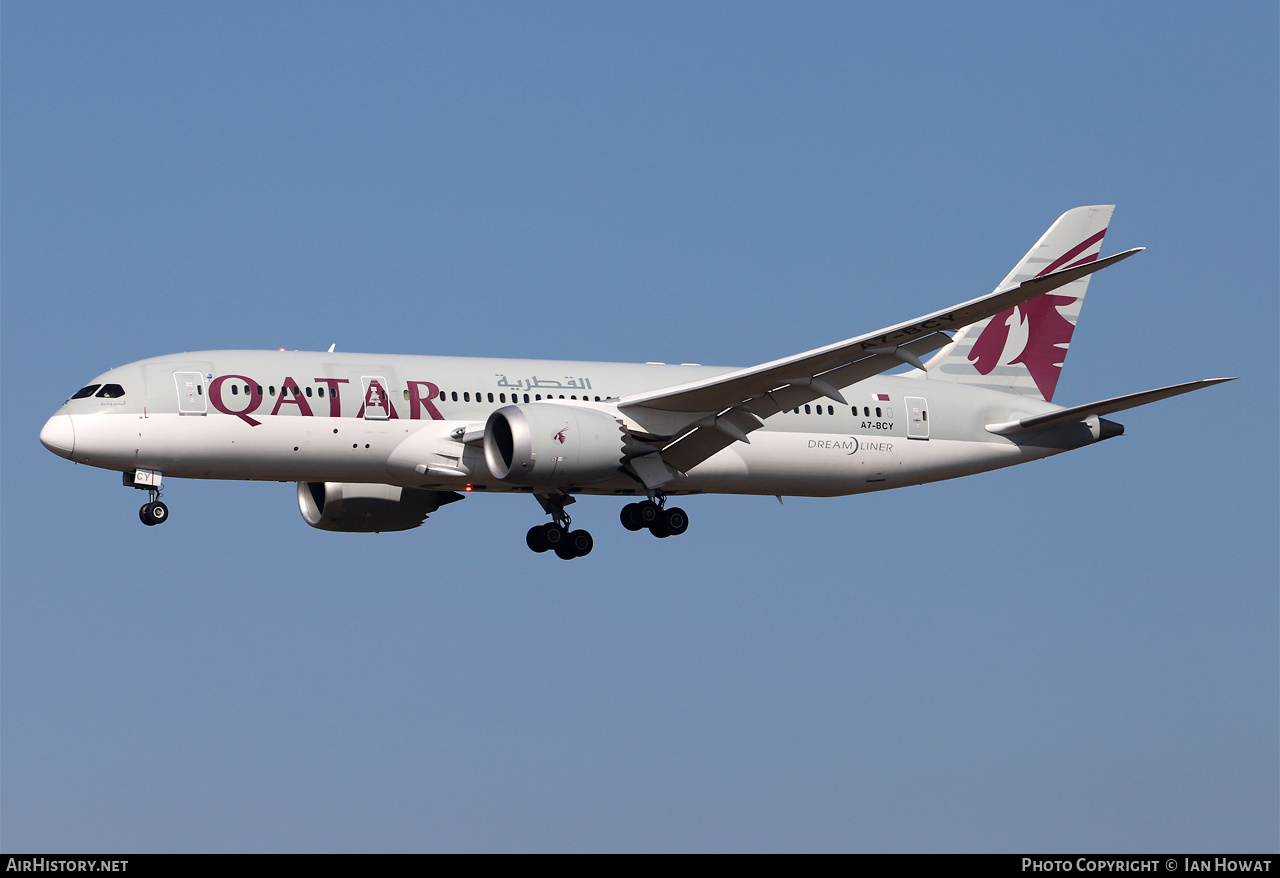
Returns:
(378,442)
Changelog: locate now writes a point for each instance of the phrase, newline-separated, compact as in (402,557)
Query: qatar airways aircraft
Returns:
(376,442)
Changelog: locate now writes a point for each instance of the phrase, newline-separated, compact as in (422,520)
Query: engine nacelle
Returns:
(358,508)
(552,444)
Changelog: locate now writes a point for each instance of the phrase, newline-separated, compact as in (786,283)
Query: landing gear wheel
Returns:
(674,521)
(581,543)
(154,513)
(630,516)
(553,536)
(576,544)
(535,540)
(647,513)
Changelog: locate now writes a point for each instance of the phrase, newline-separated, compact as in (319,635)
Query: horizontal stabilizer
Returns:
(1078,413)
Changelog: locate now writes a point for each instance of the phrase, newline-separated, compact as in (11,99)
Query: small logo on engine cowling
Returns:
(559,437)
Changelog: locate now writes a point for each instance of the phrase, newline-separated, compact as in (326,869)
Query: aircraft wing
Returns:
(735,403)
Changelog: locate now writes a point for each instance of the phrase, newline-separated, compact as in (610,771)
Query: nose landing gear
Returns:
(153,512)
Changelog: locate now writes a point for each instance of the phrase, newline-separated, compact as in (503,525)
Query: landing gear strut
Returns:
(153,512)
(655,517)
(555,536)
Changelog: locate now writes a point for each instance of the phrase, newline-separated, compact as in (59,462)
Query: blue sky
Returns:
(1076,655)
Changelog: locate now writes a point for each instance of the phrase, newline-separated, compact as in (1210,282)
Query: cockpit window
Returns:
(84,392)
(110,391)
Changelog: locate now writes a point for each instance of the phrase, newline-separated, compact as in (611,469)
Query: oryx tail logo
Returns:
(1038,326)
(559,437)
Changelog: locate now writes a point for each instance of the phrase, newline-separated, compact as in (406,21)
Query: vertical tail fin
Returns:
(1022,349)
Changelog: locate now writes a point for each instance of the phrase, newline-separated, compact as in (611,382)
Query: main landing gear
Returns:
(645,515)
(660,521)
(555,536)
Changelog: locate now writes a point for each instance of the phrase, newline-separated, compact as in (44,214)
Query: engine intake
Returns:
(359,508)
(551,444)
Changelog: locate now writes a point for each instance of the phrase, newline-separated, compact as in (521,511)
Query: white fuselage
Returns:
(413,422)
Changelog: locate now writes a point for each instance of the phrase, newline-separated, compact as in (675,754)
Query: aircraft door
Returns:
(377,399)
(917,418)
(191,395)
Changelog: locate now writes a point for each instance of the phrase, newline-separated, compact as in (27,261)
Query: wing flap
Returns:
(701,442)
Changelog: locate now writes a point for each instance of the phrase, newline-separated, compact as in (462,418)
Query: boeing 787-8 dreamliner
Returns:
(377,442)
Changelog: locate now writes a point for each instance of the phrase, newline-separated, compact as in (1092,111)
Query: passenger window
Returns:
(271,389)
(199,390)
(235,390)
(259,390)
(831,410)
(84,392)
(878,411)
(455,396)
(110,391)
(866,412)
(526,397)
(502,397)
(406,394)
(806,410)
(308,391)
(466,397)
(491,397)
(319,391)
(538,395)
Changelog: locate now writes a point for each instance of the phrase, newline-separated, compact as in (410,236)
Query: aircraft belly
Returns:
(826,465)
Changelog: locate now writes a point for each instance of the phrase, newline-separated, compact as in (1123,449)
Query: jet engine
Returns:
(360,508)
(551,444)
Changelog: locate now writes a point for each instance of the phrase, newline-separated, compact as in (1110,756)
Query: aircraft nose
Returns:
(58,435)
